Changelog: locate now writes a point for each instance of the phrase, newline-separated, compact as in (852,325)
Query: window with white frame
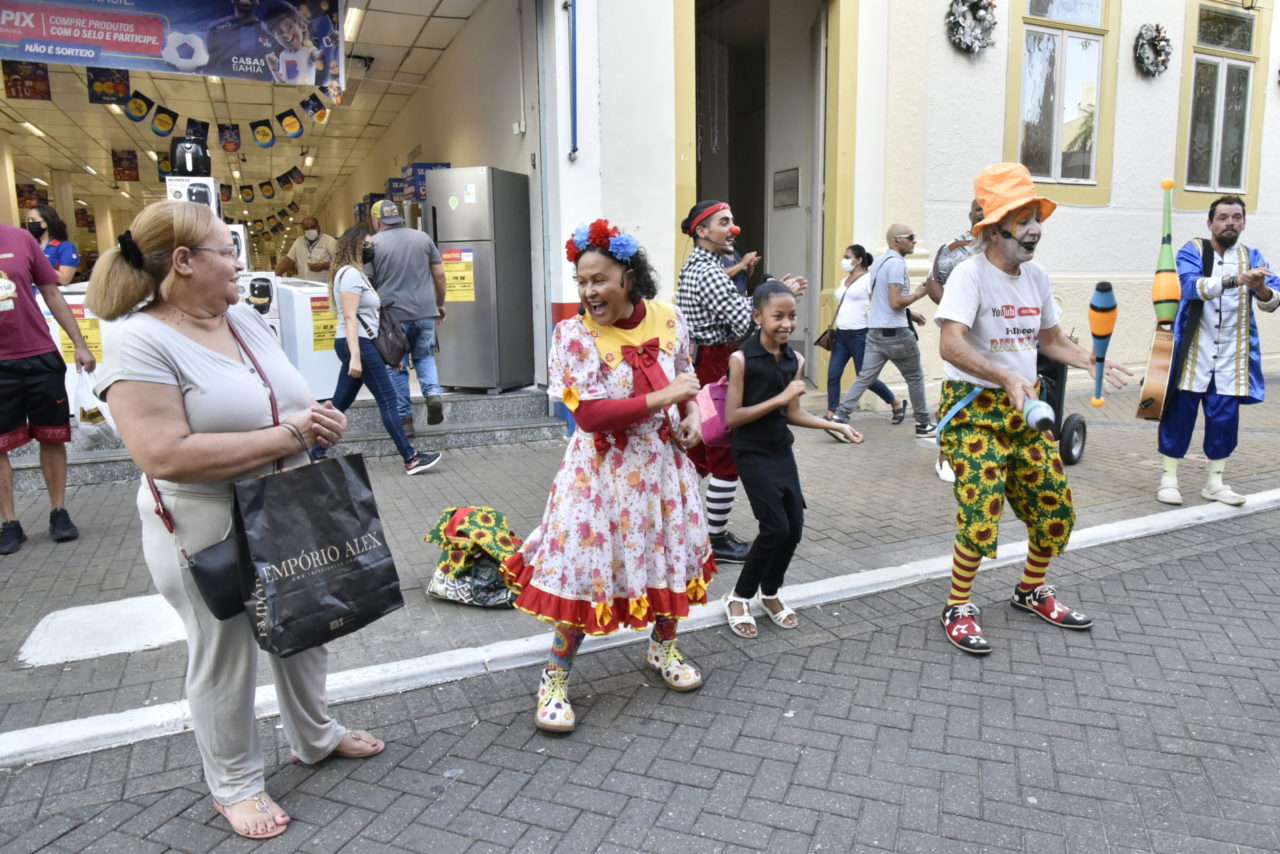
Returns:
(1061,72)
(1221,83)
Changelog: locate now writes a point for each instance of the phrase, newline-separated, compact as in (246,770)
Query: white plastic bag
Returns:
(90,416)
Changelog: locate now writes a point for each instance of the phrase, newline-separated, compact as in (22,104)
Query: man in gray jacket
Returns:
(408,270)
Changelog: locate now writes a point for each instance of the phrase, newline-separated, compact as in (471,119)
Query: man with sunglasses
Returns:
(890,336)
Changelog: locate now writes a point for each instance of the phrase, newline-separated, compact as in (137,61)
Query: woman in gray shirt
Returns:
(196,416)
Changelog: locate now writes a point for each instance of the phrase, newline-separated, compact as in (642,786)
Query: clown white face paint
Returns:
(1020,234)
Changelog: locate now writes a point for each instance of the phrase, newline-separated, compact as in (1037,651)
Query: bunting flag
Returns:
(257,226)
(26,80)
(108,85)
(163,121)
(296,176)
(163,165)
(315,108)
(229,137)
(198,129)
(282,214)
(262,133)
(268,191)
(138,106)
(293,207)
(272,222)
(246,193)
(285,182)
(224,192)
(124,164)
(290,124)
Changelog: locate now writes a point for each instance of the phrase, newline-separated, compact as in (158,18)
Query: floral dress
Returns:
(623,539)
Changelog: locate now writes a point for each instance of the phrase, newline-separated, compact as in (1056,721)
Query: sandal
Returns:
(899,413)
(780,616)
(738,623)
(262,805)
(355,744)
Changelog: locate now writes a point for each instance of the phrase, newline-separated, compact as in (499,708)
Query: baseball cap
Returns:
(386,211)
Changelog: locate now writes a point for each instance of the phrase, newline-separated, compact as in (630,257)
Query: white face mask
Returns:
(311,234)
(846,264)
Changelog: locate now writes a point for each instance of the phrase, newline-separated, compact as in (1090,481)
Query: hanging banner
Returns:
(282,214)
(198,129)
(268,191)
(257,225)
(229,137)
(283,41)
(28,81)
(163,121)
(296,176)
(107,85)
(124,164)
(293,207)
(315,108)
(290,123)
(262,133)
(138,106)
(246,193)
(224,192)
(285,182)
(163,165)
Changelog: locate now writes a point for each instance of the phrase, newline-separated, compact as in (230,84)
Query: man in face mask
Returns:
(311,254)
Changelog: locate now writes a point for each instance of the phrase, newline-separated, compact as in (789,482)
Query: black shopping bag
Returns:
(319,564)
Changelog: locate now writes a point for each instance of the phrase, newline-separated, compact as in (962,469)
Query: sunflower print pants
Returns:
(996,458)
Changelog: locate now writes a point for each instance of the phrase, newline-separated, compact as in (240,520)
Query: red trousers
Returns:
(712,364)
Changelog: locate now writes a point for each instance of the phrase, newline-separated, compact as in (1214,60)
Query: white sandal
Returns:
(737,622)
(779,617)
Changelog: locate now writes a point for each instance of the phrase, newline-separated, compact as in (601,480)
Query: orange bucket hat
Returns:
(1005,187)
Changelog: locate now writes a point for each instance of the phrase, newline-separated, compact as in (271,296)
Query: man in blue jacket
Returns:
(1217,362)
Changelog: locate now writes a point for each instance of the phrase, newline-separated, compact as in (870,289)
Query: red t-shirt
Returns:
(23,331)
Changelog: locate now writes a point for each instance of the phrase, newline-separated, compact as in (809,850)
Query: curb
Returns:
(100,732)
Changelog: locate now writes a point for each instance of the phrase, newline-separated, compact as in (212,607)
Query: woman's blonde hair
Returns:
(349,251)
(118,287)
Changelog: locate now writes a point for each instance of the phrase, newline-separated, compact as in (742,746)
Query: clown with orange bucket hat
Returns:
(1217,358)
(997,315)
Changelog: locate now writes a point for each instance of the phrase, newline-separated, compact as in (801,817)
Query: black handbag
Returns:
(218,570)
(391,341)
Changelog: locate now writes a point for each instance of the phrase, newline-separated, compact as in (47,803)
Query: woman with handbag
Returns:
(203,396)
(623,542)
(361,364)
(849,328)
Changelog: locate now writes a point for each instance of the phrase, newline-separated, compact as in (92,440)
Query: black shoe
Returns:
(407,423)
(435,409)
(11,537)
(61,527)
(926,431)
(728,550)
(960,622)
(420,463)
(1043,602)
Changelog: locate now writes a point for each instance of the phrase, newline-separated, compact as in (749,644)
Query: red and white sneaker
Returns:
(961,625)
(1043,602)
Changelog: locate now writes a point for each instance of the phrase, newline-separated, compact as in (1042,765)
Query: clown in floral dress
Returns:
(623,541)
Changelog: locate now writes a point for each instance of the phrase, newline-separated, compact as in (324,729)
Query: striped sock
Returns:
(1037,566)
(564,646)
(964,566)
(720,495)
(664,629)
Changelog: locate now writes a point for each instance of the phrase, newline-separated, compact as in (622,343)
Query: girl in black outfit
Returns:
(765,386)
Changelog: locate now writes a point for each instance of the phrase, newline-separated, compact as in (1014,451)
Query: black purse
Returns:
(219,574)
(391,342)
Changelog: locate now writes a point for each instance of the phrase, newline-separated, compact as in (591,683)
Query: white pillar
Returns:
(8,186)
(62,195)
(101,208)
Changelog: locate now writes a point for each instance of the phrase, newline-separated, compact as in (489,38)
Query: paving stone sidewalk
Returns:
(863,730)
(869,506)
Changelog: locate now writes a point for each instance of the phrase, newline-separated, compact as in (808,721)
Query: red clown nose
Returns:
(734,230)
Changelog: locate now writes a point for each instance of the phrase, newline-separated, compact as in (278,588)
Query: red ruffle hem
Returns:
(606,617)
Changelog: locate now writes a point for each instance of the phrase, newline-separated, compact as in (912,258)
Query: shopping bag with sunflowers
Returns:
(473,542)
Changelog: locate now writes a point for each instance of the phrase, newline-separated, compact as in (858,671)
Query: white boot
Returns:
(679,674)
(554,713)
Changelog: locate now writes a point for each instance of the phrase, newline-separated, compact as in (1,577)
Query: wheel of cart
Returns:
(1070,430)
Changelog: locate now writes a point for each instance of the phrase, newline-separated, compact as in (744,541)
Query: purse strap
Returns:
(839,303)
(163,513)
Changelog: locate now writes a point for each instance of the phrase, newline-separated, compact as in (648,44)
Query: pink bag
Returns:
(715,431)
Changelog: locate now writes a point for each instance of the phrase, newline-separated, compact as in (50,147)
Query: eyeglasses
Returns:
(225,251)
(910,237)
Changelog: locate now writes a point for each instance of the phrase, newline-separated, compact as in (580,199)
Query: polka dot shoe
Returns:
(679,674)
(554,714)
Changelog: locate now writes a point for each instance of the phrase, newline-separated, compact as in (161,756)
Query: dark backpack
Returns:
(391,341)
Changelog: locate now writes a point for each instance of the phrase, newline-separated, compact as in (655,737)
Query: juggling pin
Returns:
(1102,322)
(1165,288)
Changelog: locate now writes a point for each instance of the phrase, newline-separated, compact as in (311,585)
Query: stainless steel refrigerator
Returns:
(479,217)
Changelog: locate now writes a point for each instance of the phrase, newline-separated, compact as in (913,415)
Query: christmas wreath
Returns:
(969,24)
(1152,50)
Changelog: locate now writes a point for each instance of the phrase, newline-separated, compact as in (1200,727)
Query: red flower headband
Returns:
(600,234)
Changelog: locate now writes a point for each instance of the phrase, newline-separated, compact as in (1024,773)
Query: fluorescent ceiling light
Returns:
(235,173)
(42,182)
(126,195)
(90,169)
(351,26)
(82,202)
(153,155)
(33,128)
(308,160)
(215,80)
(115,108)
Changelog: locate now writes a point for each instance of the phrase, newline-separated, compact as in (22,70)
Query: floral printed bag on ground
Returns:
(473,542)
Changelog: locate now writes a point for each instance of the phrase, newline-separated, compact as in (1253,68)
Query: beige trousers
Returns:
(222,655)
